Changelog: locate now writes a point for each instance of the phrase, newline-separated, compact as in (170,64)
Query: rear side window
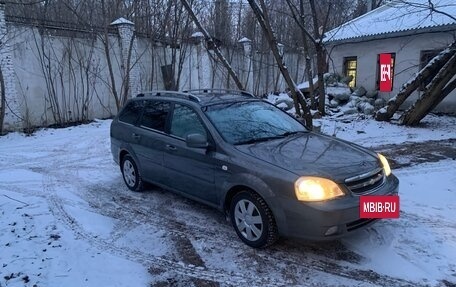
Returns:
(155,115)
(130,114)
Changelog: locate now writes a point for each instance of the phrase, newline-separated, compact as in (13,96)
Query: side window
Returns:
(185,121)
(155,115)
(350,66)
(131,112)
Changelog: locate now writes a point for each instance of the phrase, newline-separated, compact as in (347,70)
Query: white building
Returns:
(409,31)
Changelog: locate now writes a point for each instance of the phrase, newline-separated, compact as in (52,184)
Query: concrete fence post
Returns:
(128,49)
(13,116)
(247,63)
(203,63)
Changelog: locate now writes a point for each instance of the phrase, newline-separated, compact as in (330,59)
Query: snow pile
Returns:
(282,101)
(341,99)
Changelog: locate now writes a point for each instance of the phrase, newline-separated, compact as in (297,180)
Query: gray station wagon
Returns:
(261,166)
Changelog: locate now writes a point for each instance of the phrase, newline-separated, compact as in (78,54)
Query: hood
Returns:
(314,154)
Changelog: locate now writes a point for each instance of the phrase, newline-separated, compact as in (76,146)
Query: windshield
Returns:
(251,121)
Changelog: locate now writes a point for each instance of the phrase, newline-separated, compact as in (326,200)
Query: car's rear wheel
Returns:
(130,173)
(253,220)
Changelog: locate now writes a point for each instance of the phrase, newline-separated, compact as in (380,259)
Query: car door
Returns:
(124,128)
(152,140)
(190,170)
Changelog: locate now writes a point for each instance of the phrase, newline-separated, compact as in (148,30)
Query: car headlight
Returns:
(386,166)
(309,188)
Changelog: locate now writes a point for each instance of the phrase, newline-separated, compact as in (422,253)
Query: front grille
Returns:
(359,223)
(366,182)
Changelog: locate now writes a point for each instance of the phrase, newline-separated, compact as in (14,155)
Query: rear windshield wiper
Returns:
(255,140)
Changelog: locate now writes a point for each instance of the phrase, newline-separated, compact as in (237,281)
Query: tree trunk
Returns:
(105,40)
(321,82)
(436,91)
(428,71)
(305,43)
(2,101)
(309,76)
(321,65)
(263,18)
(217,51)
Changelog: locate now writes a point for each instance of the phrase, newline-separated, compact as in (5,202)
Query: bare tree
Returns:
(299,17)
(262,16)
(173,33)
(429,6)
(321,15)
(216,49)
(318,29)
(364,6)
(222,21)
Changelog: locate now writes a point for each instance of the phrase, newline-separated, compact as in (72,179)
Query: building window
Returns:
(350,65)
(425,57)
(393,63)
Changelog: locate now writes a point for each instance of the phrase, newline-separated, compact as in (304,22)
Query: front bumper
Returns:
(326,220)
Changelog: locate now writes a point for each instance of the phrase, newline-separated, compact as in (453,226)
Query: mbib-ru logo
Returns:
(379,206)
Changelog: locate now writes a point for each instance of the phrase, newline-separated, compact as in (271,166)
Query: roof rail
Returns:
(164,93)
(205,91)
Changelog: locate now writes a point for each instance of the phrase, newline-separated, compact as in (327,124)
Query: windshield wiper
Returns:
(255,140)
(263,139)
(292,133)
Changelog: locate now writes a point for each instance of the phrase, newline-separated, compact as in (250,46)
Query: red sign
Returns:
(383,206)
(386,73)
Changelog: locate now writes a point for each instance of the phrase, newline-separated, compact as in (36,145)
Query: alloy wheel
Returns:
(129,173)
(248,220)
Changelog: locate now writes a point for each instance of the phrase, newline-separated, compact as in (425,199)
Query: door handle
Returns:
(135,136)
(171,147)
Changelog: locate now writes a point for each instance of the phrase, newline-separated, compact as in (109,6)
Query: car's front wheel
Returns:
(131,174)
(253,220)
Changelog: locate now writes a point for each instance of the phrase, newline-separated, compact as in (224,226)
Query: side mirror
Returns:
(196,141)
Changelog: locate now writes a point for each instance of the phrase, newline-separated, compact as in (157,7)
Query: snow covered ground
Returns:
(68,220)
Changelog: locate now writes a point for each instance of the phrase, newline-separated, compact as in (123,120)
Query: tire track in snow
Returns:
(146,213)
(135,207)
(181,268)
(189,270)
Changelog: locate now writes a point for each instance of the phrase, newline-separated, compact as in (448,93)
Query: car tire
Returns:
(253,220)
(130,173)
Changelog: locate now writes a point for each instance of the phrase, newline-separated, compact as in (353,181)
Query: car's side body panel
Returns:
(191,170)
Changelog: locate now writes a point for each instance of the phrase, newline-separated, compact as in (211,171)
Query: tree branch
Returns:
(216,49)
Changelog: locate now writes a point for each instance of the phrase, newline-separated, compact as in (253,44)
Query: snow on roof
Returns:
(397,16)
(244,40)
(305,85)
(122,20)
(197,35)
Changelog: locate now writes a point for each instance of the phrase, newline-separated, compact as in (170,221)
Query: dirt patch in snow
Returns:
(413,153)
